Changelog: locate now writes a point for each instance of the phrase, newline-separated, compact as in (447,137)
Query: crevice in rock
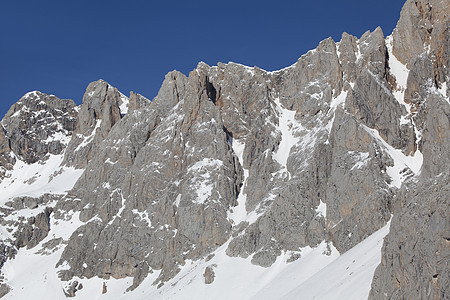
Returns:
(210,90)
(229,136)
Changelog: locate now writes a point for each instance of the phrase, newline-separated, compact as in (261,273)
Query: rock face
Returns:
(98,113)
(261,163)
(416,252)
(37,125)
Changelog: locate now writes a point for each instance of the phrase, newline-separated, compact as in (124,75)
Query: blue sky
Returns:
(58,47)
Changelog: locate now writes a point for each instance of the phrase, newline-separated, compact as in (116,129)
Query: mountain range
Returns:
(328,179)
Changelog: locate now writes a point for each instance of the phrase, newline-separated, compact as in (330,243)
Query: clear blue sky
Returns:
(58,47)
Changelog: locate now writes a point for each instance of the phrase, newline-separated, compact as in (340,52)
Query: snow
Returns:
(321,209)
(143,215)
(335,103)
(37,179)
(286,125)
(443,90)
(238,148)
(108,161)
(401,161)
(338,101)
(32,275)
(62,137)
(239,212)
(314,275)
(124,104)
(348,277)
(201,182)
(358,53)
(177,200)
(400,72)
(414,162)
(122,207)
(89,138)
(404,120)
(361,158)
(206,163)
(32,93)
(238,278)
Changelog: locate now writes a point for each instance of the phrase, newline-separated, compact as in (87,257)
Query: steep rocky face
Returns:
(36,131)
(168,178)
(324,152)
(101,109)
(416,252)
(237,153)
(37,125)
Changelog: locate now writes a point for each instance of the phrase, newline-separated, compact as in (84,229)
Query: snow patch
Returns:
(286,125)
(87,139)
(401,161)
(37,179)
(321,209)
(201,181)
(361,158)
(124,104)
(238,278)
(443,90)
(348,277)
(32,273)
(143,215)
(400,72)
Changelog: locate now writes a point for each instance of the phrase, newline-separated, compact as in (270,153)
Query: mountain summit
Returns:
(326,179)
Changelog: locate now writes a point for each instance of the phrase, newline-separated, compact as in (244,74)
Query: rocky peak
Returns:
(423,28)
(100,103)
(136,101)
(37,125)
(102,107)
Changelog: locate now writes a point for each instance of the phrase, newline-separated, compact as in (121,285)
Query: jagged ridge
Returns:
(237,160)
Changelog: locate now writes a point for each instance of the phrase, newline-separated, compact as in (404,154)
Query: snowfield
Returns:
(318,274)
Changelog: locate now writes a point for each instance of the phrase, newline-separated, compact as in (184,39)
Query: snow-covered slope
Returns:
(319,273)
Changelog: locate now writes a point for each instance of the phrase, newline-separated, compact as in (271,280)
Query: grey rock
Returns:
(97,115)
(416,252)
(4,289)
(32,128)
(137,101)
(71,289)
(29,234)
(209,274)
(197,224)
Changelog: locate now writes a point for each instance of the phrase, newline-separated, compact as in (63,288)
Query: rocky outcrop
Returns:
(416,251)
(34,230)
(37,125)
(209,274)
(97,115)
(136,101)
(122,188)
